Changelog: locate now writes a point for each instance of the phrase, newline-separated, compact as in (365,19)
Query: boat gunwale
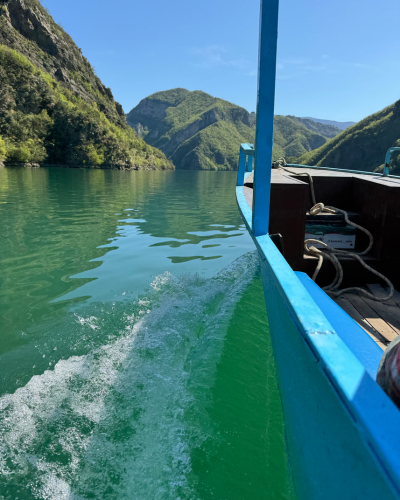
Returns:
(372,411)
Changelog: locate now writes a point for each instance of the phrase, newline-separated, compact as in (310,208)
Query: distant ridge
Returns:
(200,132)
(363,146)
(341,125)
(324,129)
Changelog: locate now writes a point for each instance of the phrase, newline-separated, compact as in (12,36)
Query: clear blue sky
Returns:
(337,59)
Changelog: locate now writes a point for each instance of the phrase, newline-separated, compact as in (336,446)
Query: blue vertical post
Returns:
(242,168)
(250,164)
(265,114)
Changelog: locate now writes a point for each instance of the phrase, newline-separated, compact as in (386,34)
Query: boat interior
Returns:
(327,240)
(372,202)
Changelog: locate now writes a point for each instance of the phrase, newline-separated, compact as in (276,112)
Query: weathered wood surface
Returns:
(386,181)
(248,194)
(375,319)
(382,292)
(348,307)
(381,320)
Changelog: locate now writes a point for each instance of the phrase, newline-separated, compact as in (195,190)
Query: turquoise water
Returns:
(135,358)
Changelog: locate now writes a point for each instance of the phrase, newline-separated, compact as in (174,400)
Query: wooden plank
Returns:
(386,181)
(283,177)
(353,313)
(379,291)
(389,313)
(248,194)
(249,179)
(372,316)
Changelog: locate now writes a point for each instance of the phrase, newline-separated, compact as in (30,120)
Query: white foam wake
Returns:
(111,424)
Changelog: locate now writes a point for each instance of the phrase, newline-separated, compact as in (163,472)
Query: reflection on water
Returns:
(62,229)
(135,356)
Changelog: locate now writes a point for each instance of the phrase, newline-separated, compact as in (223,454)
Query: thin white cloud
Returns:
(362,66)
(294,62)
(296,68)
(311,67)
(213,56)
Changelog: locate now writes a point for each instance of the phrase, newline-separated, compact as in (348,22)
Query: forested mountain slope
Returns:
(292,138)
(326,130)
(193,129)
(53,108)
(362,146)
(339,125)
(198,131)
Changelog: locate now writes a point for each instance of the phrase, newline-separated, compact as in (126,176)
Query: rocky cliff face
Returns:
(28,28)
(54,110)
(184,133)
(150,111)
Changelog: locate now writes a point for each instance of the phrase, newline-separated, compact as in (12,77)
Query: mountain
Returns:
(362,146)
(324,129)
(200,132)
(53,108)
(195,130)
(340,125)
(293,138)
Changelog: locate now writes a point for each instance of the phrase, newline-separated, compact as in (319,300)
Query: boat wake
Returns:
(114,423)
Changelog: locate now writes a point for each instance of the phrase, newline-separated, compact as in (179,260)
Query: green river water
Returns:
(135,357)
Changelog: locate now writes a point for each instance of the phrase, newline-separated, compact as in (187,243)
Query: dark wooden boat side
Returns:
(372,202)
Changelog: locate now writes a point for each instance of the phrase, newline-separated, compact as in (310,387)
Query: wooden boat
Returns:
(343,436)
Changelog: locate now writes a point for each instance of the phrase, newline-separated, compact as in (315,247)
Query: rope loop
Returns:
(280,163)
(331,253)
(317,209)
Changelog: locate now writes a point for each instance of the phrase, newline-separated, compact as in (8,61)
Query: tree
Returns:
(3,152)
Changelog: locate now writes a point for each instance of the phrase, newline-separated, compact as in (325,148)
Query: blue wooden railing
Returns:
(246,154)
(387,161)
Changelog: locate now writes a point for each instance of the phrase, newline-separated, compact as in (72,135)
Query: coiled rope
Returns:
(331,256)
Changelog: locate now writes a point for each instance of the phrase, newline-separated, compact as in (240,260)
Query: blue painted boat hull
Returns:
(343,432)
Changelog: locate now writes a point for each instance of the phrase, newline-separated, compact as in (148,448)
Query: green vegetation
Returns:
(324,129)
(198,131)
(2,150)
(31,31)
(362,146)
(212,148)
(194,129)
(47,118)
(172,97)
(44,121)
(292,138)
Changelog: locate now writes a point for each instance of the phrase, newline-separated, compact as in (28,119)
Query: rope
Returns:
(331,256)
(281,163)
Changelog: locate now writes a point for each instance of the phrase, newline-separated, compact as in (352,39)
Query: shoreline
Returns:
(79,166)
